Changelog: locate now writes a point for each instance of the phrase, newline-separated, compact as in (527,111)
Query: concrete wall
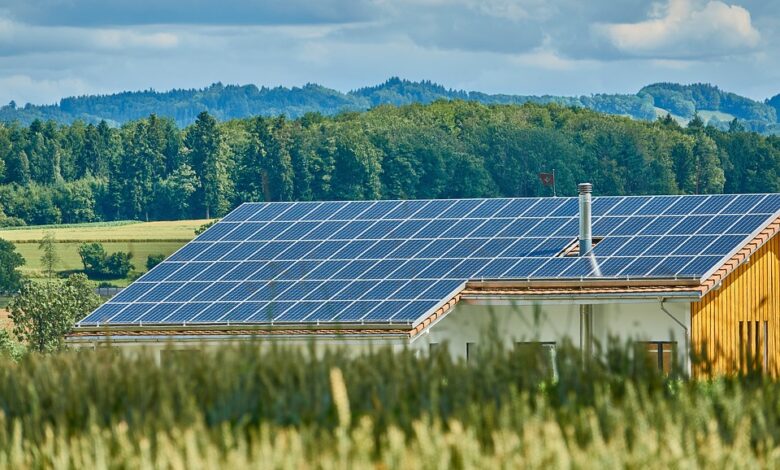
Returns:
(471,320)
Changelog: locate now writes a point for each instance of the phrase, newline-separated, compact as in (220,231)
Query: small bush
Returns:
(6,222)
(205,227)
(98,264)
(118,264)
(154,260)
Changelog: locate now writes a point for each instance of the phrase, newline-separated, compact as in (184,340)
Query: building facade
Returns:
(680,274)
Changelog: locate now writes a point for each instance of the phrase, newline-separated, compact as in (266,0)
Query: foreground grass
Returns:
(141,239)
(283,408)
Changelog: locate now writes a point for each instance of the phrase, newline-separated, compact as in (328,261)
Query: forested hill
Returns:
(152,169)
(225,102)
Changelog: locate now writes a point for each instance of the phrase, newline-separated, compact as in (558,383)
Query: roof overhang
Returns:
(222,332)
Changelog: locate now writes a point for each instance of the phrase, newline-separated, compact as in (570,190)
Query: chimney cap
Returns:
(585,188)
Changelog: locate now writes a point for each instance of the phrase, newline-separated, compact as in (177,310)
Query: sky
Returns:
(50,49)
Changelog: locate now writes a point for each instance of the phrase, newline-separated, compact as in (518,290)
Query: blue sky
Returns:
(55,48)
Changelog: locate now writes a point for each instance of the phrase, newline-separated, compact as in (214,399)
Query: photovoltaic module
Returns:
(394,262)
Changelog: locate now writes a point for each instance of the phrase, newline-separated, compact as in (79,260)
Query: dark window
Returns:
(753,345)
(471,351)
(662,354)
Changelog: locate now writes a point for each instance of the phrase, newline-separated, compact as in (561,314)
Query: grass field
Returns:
(284,408)
(140,238)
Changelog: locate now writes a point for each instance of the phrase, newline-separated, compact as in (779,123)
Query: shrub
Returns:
(205,227)
(154,260)
(118,264)
(10,260)
(11,222)
(98,264)
(43,313)
(93,257)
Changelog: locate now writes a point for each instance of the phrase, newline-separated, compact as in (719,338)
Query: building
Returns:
(674,272)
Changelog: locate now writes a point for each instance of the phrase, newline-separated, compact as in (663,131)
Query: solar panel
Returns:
(394,261)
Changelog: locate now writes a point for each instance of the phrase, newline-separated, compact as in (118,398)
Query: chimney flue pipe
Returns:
(586,244)
(586,237)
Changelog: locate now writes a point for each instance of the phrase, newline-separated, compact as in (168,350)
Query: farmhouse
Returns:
(676,273)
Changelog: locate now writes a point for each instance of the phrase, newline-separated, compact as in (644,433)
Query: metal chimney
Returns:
(586,243)
(586,237)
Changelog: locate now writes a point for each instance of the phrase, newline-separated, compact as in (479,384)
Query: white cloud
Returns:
(24,89)
(685,29)
(120,39)
(18,38)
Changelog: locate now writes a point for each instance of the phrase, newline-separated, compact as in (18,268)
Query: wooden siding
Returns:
(727,325)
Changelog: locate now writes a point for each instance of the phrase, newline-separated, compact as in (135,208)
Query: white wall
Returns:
(471,320)
(158,345)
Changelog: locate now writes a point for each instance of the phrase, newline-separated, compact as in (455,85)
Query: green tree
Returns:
(10,260)
(9,346)
(43,313)
(154,260)
(250,175)
(49,255)
(207,154)
(118,265)
(140,166)
(93,258)
(97,263)
(357,166)
(173,194)
(277,164)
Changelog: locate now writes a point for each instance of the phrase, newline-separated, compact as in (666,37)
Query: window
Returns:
(471,351)
(545,351)
(753,345)
(662,354)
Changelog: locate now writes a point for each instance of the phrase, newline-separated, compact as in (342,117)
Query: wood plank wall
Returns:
(724,322)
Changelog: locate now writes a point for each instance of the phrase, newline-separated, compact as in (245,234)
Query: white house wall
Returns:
(471,321)
(157,346)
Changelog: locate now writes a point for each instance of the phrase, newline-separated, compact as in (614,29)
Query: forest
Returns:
(716,107)
(150,169)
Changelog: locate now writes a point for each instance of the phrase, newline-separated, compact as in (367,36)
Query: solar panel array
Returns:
(395,261)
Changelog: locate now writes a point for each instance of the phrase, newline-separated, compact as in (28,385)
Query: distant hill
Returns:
(715,106)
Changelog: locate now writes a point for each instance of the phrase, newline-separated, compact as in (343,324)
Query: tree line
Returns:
(150,169)
(226,102)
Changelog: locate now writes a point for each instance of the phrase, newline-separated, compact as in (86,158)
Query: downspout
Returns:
(685,333)
(585,246)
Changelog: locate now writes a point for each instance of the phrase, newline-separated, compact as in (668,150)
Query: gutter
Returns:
(685,332)
(243,327)
(119,338)
(580,283)
(682,295)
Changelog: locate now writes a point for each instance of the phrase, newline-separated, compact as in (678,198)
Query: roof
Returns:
(388,264)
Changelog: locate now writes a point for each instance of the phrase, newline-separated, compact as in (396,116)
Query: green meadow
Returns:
(139,238)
